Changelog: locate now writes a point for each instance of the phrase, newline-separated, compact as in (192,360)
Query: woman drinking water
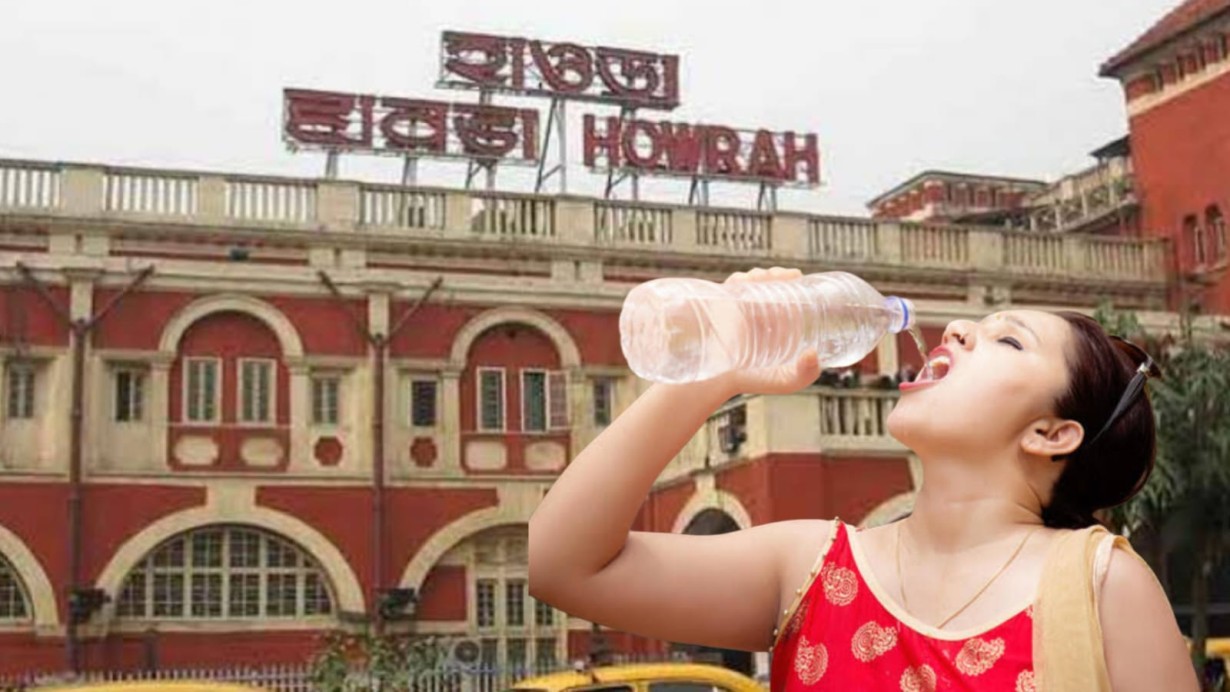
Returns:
(1026,424)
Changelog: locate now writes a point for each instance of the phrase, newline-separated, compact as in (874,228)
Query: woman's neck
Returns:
(963,507)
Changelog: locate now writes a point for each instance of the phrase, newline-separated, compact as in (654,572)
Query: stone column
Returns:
(379,300)
(82,193)
(159,410)
(579,418)
(99,417)
(359,402)
(450,421)
(300,453)
(888,243)
(58,426)
(1074,255)
(54,398)
(574,221)
(986,250)
(458,209)
(789,240)
(212,201)
(887,356)
(337,205)
(683,229)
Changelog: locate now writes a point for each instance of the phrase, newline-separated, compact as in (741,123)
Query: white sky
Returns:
(892,87)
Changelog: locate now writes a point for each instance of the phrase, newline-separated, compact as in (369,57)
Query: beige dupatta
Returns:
(1067,634)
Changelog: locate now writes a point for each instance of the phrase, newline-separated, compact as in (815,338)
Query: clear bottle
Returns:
(679,330)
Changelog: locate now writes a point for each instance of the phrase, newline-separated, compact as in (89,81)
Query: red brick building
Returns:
(1176,80)
(310,404)
(948,196)
(226,488)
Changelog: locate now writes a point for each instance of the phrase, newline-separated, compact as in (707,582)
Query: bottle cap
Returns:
(904,309)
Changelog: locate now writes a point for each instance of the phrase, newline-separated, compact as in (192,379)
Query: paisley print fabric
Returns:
(840,584)
(811,661)
(872,641)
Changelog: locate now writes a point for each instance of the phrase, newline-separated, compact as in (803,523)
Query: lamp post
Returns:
(379,343)
(599,648)
(81,603)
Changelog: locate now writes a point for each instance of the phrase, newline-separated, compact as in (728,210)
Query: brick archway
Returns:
(712,498)
(565,345)
(346,589)
(278,323)
(44,611)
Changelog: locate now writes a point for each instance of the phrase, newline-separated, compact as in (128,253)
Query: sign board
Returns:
(487,134)
(530,67)
(336,121)
(707,151)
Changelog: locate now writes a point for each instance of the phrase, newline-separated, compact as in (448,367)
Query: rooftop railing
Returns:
(340,206)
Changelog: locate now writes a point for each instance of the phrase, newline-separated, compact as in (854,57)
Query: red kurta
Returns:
(846,634)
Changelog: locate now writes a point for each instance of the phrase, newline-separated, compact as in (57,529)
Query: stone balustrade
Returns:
(816,420)
(1083,197)
(349,207)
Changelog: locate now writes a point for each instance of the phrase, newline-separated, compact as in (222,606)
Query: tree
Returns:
(1193,445)
(364,661)
(1185,501)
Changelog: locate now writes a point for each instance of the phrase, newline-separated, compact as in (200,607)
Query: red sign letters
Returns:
(385,124)
(630,79)
(567,70)
(702,150)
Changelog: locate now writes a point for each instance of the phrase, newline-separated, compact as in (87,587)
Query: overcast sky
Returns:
(891,87)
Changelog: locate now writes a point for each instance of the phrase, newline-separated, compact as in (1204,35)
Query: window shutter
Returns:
(137,396)
(491,400)
(534,401)
(208,390)
(557,399)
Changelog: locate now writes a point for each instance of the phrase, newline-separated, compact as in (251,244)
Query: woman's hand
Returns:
(782,379)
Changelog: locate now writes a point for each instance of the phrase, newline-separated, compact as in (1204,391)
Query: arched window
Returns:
(225,573)
(1193,233)
(514,630)
(14,602)
(1216,225)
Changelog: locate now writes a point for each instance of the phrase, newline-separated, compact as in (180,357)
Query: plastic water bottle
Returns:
(678,330)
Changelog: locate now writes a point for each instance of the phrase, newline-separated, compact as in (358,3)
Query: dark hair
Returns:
(1112,469)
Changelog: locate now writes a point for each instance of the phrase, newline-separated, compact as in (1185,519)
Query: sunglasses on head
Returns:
(1139,356)
(1145,369)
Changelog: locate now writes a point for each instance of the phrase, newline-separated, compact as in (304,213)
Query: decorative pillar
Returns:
(579,423)
(887,356)
(450,420)
(300,457)
(81,309)
(160,409)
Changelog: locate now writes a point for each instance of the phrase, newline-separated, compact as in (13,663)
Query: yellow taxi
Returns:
(152,686)
(643,677)
(1213,647)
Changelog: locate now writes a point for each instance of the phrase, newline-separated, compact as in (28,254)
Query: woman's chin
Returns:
(913,426)
(901,424)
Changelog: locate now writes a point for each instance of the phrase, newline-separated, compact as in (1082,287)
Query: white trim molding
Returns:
(288,336)
(712,498)
(565,346)
(236,508)
(505,514)
(45,615)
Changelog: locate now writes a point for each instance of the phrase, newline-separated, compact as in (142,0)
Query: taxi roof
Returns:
(668,672)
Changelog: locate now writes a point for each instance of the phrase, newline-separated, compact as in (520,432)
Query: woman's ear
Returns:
(1053,437)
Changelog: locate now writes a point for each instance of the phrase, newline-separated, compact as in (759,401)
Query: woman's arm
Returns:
(1144,649)
(724,591)
(719,590)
